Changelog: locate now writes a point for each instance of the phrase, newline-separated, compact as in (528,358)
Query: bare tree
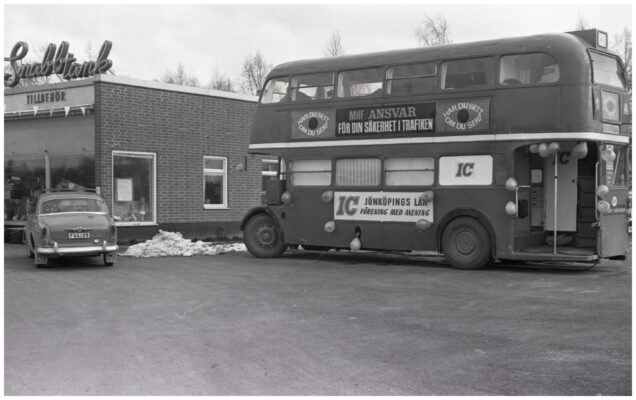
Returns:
(333,47)
(581,22)
(433,31)
(255,70)
(623,46)
(220,81)
(179,77)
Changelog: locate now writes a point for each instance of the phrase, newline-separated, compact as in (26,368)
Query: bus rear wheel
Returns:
(466,243)
(263,237)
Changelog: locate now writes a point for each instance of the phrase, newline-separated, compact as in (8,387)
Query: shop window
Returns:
(275,91)
(312,87)
(310,172)
(215,182)
(358,172)
(467,74)
(134,177)
(414,171)
(411,79)
(528,69)
(362,82)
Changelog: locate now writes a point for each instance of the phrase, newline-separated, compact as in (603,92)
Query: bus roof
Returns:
(553,43)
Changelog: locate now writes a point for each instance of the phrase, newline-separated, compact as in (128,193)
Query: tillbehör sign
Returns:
(60,63)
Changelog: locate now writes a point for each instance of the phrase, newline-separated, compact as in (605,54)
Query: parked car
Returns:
(70,223)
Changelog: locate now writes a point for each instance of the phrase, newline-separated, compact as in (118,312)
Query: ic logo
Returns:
(465,169)
(346,205)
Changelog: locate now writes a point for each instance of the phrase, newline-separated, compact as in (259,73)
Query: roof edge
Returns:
(122,80)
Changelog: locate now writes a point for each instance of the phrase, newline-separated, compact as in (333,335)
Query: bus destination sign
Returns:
(394,119)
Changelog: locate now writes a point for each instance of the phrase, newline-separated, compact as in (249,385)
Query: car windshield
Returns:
(55,206)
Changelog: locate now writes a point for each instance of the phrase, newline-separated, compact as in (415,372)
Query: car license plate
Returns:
(79,235)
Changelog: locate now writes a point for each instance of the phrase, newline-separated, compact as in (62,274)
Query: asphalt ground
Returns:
(313,323)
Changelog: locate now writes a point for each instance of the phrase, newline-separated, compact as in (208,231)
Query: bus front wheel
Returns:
(263,237)
(466,243)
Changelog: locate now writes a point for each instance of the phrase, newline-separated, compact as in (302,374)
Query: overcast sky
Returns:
(148,39)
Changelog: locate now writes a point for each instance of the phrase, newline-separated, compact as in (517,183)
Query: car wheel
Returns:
(27,246)
(466,244)
(40,260)
(263,237)
(109,258)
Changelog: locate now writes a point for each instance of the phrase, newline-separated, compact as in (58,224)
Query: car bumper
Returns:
(77,250)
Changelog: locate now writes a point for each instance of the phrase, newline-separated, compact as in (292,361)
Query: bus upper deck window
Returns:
(467,74)
(275,91)
(361,82)
(312,87)
(528,69)
(411,79)
(607,70)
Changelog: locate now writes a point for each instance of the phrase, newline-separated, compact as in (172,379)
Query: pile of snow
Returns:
(173,244)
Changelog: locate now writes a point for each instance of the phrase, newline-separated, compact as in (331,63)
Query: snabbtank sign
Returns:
(59,62)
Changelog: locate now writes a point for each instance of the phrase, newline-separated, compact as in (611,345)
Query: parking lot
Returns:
(315,324)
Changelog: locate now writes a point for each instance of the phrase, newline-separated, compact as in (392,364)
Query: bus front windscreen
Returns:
(607,70)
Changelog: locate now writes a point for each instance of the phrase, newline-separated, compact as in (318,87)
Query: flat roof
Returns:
(122,80)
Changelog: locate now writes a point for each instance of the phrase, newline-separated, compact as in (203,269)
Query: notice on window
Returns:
(383,206)
(398,119)
(124,189)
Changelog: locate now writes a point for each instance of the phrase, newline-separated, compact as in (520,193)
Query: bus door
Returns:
(561,180)
(612,193)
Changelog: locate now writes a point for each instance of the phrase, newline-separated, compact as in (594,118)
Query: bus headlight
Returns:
(610,106)
(553,148)
(422,224)
(602,191)
(330,226)
(608,155)
(603,207)
(543,150)
(427,196)
(580,150)
(511,184)
(327,196)
(511,208)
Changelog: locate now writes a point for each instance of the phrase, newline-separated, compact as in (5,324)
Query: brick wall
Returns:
(180,128)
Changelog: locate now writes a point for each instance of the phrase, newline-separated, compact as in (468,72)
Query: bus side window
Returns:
(361,82)
(358,172)
(312,87)
(528,69)
(413,171)
(275,91)
(310,172)
(411,79)
(466,74)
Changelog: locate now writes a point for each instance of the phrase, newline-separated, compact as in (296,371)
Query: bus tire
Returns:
(466,243)
(263,237)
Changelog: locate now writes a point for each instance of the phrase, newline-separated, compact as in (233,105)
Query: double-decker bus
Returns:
(509,149)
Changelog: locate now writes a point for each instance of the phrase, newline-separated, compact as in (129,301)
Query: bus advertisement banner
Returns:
(394,119)
(383,206)
(312,124)
(463,115)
